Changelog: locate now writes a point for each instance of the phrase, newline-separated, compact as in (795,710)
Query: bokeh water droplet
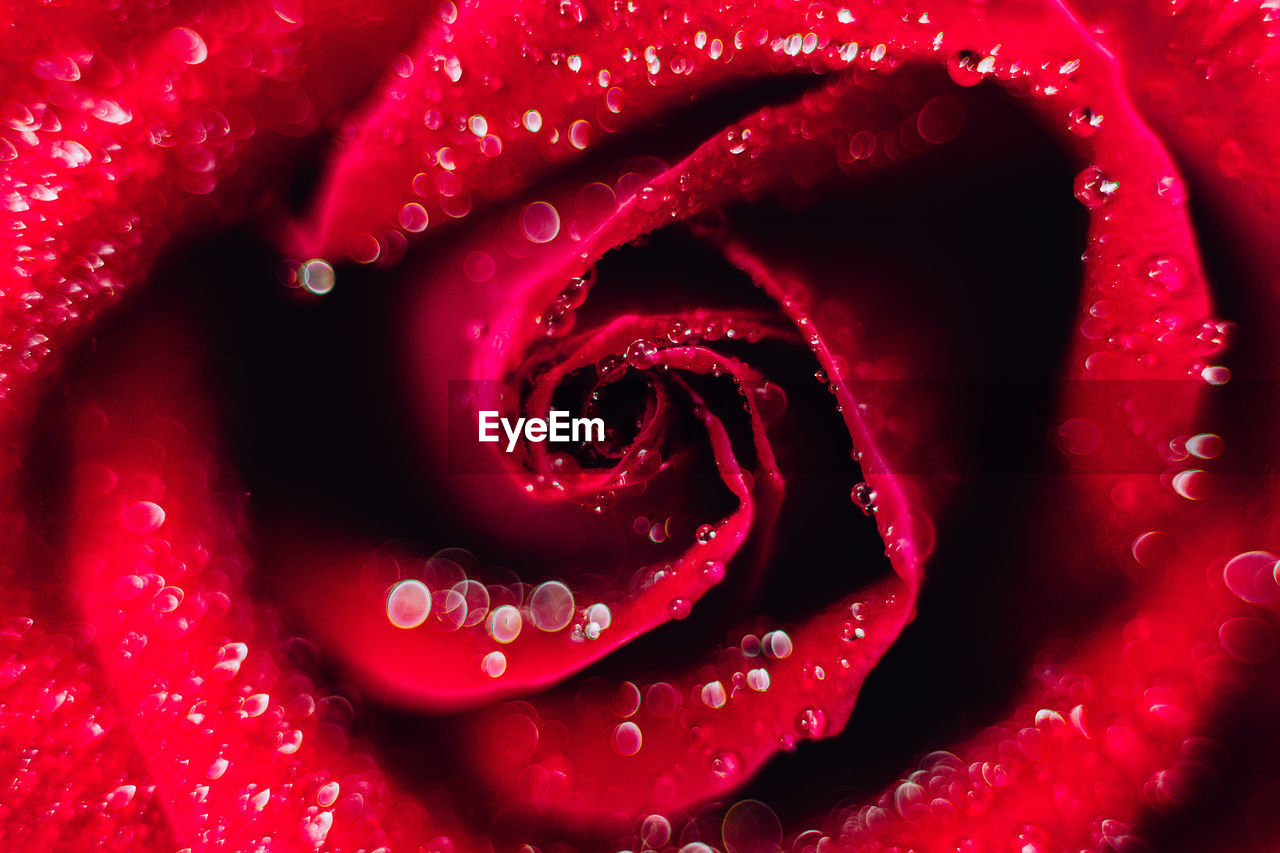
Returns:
(627,738)
(540,222)
(408,604)
(551,606)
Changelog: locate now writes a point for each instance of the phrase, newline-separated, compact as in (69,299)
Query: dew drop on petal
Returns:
(627,738)
(1164,276)
(862,145)
(143,517)
(316,276)
(451,609)
(1192,484)
(751,827)
(777,645)
(580,134)
(713,695)
(758,679)
(494,664)
(551,606)
(655,831)
(1093,189)
(1247,639)
(1216,374)
(475,596)
(940,119)
(864,497)
(413,217)
(505,623)
(1153,549)
(627,700)
(963,69)
(1206,445)
(811,722)
(697,847)
(408,604)
(1251,577)
(1084,122)
(186,45)
(725,764)
(532,121)
(662,699)
(642,354)
(540,222)
(599,618)
(704,534)
(328,794)
(680,608)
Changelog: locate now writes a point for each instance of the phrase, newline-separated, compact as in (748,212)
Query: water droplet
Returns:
(627,738)
(704,534)
(642,354)
(963,68)
(575,292)
(1093,189)
(1206,445)
(811,722)
(1164,277)
(862,145)
(316,276)
(143,517)
(610,367)
(327,795)
(413,217)
(627,700)
(1192,484)
(725,764)
(769,400)
(713,695)
(751,827)
(1216,374)
(532,121)
(408,604)
(864,497)
(1153,549)
(551,606)
(599,618)
(186,45)
(475,599)
(1084,122)
(662,699)
(758,679)
(478,125)
(494,664)
(1252,577)
(505,623)
(940,120)
(777,645)
(580,134)
(1247,639)
(680,608)
(655,831)
(713,571)
(540,222)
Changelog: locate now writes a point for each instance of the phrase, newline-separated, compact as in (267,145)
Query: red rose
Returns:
(869,417)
